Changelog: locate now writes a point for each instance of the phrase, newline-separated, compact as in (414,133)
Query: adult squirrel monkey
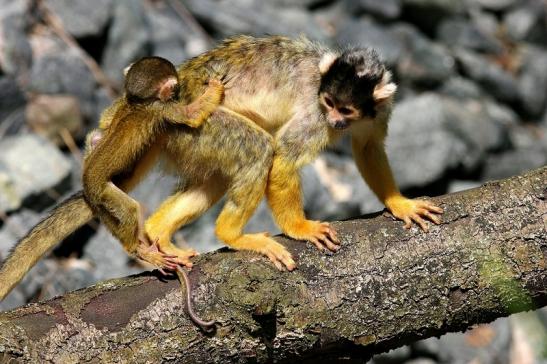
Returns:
(120,151)
(306,96)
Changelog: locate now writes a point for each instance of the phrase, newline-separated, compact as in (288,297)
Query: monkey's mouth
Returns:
(340,124)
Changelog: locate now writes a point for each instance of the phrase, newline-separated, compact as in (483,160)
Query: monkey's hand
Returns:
(320,234)
(182,256)
(410,210)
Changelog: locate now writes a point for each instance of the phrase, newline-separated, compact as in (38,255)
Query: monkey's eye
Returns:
(345,111)
(329,102)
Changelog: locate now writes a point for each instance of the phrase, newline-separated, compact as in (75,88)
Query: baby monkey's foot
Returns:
(320,234)
(150,252)
(415,210)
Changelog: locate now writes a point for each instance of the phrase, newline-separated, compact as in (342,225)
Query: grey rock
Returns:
(64,73)
(83,18)
(427,14)
(490,76)
(497,4)
(529,152)
(128,38)
(12,102)
(398,355)
(423,62)
(16,52)
(437,134)
(387,9)
(366,33)
(527,22)
(462,185)
(486,344)
(258,17)
(532,81)
(168,35)
(460,32)
(29,167)
(72,274)
(295,3)
(15,227)
(107,257)
(461,88)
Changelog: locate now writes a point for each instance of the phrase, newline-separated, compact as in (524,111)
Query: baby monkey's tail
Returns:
(61,222)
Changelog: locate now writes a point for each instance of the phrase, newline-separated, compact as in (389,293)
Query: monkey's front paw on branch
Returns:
(182,256)
(414,210)
(320,234)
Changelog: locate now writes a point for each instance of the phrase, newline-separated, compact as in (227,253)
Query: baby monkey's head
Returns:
(354,85)
(150,79)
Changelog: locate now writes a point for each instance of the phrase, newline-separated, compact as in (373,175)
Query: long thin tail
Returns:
(61,222)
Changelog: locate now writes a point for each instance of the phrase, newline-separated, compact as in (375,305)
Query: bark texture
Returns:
(387,286)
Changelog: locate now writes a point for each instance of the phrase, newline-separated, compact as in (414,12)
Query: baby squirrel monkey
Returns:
(306,96)
(129,129)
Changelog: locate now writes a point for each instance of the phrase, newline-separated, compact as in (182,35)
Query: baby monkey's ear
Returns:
(385,89)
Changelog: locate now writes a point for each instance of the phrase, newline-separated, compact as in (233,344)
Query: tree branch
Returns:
(386,287)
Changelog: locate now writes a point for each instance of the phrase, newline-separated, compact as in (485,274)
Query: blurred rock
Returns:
(461,88)
(527,22)
(107,257)
(14,228)
(82,18)
(72,274)
(30,168)
(489,75)
(64,73)
(399,355)
(128,38)
(497,5)
(233,17)
(49,115)
(529,151)
(15,52)
(168,36)
(459,32)
(387,9)
(486,344)
(366,33)
(423,62)
(427,14)
(12,102)
(296,3)
(458,185)
(430,134)
(532,81)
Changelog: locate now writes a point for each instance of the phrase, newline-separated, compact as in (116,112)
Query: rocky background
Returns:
(471,108)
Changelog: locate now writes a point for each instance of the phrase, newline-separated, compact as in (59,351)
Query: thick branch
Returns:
(386,287)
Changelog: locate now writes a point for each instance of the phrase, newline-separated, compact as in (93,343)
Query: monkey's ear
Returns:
(126,69)
(326,61)
(385,89)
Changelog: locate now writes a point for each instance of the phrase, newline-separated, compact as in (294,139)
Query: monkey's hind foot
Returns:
(320,234)
(410,210)
(182,256)
(263,244)
(152,254)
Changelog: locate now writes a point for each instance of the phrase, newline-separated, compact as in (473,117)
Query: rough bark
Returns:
(386,287)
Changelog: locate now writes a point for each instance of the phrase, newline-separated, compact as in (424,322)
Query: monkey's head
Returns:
(354,85)
(150,79)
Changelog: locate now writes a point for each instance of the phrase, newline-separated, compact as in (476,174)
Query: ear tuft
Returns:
(326,61)
(385,89)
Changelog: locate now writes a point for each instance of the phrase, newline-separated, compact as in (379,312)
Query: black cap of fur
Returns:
(352,77)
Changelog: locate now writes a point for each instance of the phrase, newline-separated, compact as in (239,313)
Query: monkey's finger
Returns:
(436,219)
(408,222)
(421,222)
(431,207)
(317,244)
(330,232)
(275,261)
